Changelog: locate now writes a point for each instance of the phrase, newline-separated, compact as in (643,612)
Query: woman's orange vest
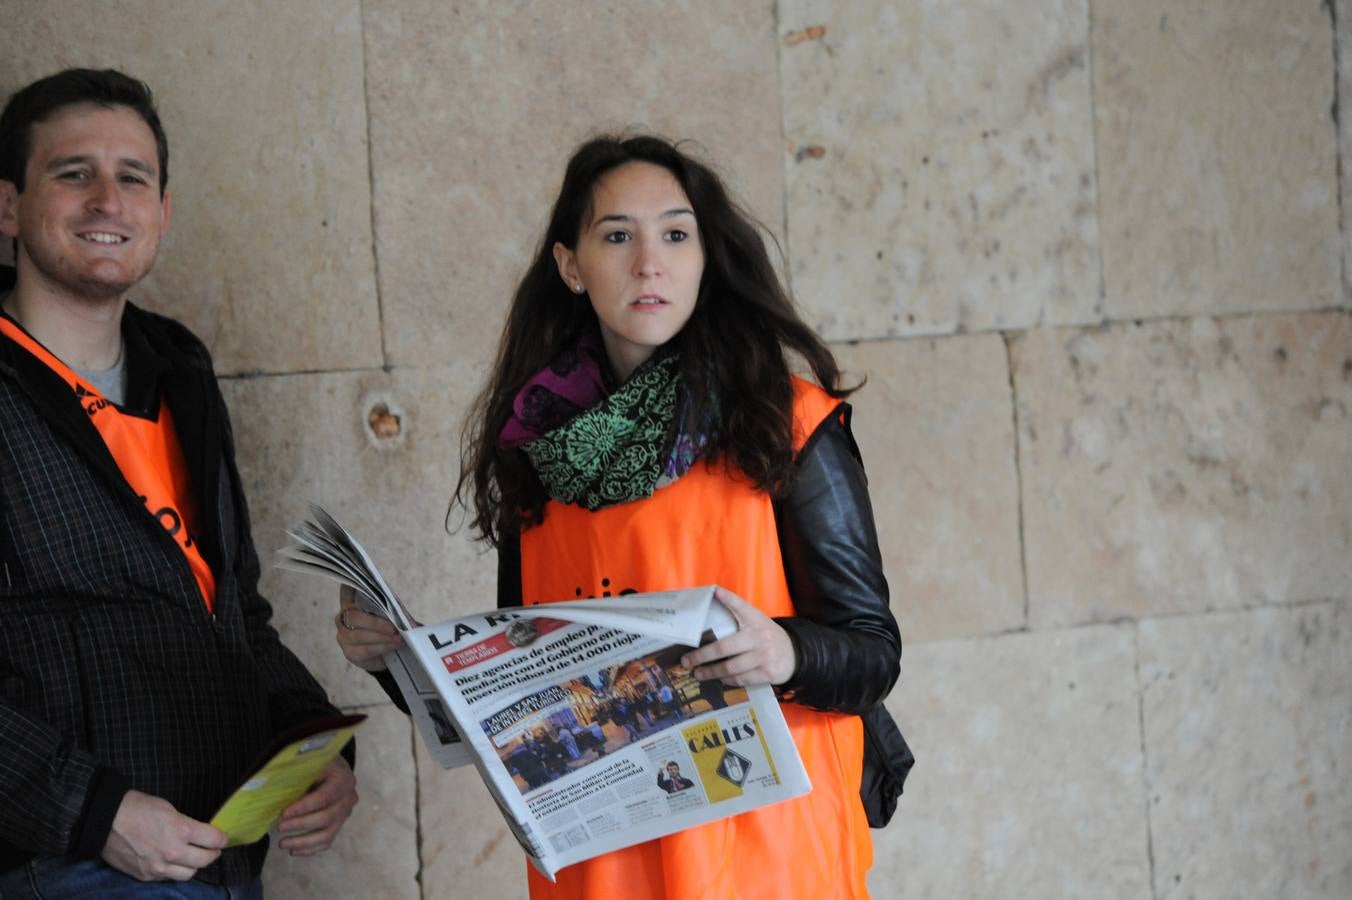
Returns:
(710,528)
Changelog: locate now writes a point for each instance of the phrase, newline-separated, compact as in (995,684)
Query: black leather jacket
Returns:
(847,642)
(845,637)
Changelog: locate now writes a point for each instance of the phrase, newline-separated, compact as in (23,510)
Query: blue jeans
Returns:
(58,878)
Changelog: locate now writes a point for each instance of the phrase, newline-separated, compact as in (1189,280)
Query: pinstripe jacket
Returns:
(113,676)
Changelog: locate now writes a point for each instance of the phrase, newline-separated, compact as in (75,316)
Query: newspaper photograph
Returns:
(587,730)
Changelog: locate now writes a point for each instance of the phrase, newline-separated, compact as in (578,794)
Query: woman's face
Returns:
(639,259)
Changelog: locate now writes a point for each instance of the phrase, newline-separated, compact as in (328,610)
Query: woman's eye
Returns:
(617,237)
(676,235)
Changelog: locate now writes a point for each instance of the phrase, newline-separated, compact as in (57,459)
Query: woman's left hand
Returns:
(363,638)
(759,652)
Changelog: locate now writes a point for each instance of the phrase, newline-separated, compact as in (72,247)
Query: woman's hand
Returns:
(759,652)
(363,638)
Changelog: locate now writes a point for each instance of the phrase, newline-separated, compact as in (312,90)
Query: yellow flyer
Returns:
(286,771)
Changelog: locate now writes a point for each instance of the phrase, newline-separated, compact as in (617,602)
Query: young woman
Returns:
(641,431)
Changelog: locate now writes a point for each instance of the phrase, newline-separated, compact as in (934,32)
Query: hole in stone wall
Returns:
(386,422)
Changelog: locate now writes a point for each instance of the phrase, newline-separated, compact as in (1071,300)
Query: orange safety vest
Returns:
(148,454)
(711,528)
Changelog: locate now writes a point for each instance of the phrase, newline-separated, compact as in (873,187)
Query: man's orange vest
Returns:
(711,528)
(148,454)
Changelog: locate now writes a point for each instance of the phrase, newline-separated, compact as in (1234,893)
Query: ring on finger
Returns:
(342,620)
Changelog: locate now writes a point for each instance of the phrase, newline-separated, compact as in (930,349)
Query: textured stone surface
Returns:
(308,438)
(1344,53)
(467,850)
(1216,150)
(935,423)
(1248,721)
(1028,780)
(300,225)
(1186,465)
(1188,476)
(475,108)
(940,165)
(376,853)
(269,255)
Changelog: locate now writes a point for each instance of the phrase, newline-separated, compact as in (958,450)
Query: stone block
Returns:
(376,853)
(467,850)
(1217,156)
(1185,465)
(1248,723)
(1028,778)
(314,438)
(1343,39)
(468,153)
(940,165)
(269,258)
(935,424)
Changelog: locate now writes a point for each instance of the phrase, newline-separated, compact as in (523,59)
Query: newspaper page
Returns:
(579,716)
(321,546)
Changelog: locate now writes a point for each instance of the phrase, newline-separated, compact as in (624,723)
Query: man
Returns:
(624,714)
(671,780)
(525,761)
(666,696)
(139,675)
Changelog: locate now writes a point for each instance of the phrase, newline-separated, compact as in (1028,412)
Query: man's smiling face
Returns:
(91,215)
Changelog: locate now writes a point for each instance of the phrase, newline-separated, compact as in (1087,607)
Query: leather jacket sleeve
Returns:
(509,569)
(845,637)
(391,687)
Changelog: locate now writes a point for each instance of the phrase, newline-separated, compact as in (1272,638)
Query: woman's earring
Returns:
(577,288)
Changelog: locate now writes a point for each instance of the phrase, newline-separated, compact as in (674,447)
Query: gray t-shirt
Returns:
(112,383)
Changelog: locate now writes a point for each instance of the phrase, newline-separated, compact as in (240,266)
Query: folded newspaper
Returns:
(586,729)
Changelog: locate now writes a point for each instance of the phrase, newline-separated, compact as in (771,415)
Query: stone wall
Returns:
(1090,256)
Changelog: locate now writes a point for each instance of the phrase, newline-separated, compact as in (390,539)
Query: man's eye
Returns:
(74,175)
(617,237)
(133,179)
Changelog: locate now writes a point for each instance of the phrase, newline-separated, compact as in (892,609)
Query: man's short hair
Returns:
(44,98)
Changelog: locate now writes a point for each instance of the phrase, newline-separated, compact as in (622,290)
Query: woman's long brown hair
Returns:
(732,350)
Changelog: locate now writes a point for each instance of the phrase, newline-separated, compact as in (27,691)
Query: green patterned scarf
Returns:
(624,447)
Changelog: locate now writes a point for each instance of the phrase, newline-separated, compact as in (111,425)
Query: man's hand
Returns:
(152,841)
(309,825)
(759,652)
(363,638)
